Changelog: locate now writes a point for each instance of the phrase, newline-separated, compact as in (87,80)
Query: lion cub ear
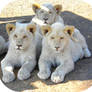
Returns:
(35,7)
(10,28)
(31,28)
(46,29)
(58,8)
(69,30)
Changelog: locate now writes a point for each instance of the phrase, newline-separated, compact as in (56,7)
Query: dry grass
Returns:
(23,7)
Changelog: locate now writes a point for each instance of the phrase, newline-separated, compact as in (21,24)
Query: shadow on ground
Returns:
(83,68)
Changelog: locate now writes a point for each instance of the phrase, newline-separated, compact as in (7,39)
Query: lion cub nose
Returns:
(19,46)
(57,48)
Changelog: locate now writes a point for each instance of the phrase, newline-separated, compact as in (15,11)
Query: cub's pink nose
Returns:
(57,47)
(19,46)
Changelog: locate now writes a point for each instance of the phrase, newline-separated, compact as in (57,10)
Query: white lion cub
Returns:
(47,13)
(3,45)
(60,50)
(21,52)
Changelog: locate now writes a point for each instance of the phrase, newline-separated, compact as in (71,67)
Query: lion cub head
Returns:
(57,36)
(21,35)
(46,12)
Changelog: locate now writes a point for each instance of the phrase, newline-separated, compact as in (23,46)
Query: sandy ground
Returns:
(76,13)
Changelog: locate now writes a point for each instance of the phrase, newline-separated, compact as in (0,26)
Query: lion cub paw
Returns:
(43,75)
(57,78)
(87,53)
(23,74)
(8,77)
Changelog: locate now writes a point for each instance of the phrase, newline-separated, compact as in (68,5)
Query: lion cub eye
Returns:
(15,36)
(61,37)
(50,12)
(52,37)
(42,11)
(24,37)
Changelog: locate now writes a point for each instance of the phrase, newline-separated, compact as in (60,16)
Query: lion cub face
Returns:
(57,36)
(46,13)
(21,35)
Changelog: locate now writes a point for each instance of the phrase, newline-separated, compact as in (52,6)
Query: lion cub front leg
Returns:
(60,72)
(44,68)
(7,70)
(26,69)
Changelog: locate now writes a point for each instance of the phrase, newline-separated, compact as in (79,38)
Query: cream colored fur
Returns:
(21,52)
(59,49)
